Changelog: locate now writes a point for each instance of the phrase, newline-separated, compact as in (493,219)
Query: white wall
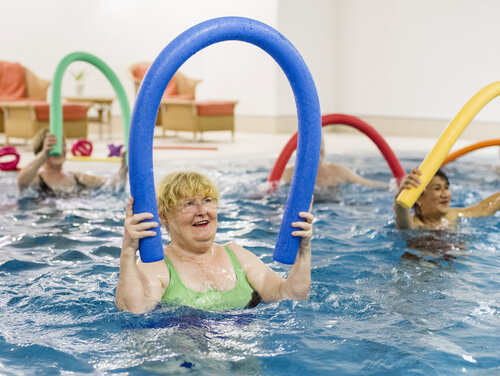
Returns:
(416,59)
(310,26)
(392,58)
(39,33)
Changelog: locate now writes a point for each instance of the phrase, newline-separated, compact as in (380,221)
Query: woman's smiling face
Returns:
(436,198)
(194,220)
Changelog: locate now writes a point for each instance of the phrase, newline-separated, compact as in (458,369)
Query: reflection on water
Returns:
(371,311)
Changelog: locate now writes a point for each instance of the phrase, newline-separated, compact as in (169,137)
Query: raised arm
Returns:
(29,173)
(140,286)
(117,180)
(403,216)
(351,177)
(269,284)
(488,206)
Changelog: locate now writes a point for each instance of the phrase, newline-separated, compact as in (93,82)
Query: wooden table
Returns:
(102,106)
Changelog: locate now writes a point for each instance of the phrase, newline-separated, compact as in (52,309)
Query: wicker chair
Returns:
(24,109)
(179,111)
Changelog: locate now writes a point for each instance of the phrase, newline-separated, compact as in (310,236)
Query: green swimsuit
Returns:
(238,297)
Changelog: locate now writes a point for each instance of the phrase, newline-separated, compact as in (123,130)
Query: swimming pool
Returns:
(371,311)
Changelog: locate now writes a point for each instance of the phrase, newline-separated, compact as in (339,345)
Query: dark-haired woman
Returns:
(46,174)
(432,209)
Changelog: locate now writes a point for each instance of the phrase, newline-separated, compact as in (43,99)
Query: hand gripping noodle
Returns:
(436,156)
(148,101)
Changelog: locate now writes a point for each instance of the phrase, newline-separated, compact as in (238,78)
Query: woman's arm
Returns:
(90,181)
(28,174)
(269,284)
(351,177)
(140,286)
(117,180)
(488,206)
(298,283)
(287,174)
(403,216)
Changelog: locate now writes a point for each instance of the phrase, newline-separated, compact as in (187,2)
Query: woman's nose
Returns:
(200,208)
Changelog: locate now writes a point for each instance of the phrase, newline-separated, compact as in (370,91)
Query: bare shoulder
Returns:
(244,256)
(454,213)
(153,271)
(415,222)
(238,250)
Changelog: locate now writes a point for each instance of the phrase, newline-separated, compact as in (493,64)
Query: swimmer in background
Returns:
(45,173)
(332,175)
(196,271)
(432,209)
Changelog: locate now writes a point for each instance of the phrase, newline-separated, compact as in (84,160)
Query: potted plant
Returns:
(79,78)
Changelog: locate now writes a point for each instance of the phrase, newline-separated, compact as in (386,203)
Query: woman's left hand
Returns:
(305,226)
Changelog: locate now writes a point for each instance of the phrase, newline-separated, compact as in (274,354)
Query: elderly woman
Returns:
(432,208)
(197,272)
(45,173)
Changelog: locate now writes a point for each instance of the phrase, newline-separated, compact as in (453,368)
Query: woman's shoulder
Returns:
(242,254)
(454,213)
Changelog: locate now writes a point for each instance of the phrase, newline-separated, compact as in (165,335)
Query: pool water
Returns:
(372,310)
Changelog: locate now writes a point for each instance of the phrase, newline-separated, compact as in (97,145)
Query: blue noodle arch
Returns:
(148,101)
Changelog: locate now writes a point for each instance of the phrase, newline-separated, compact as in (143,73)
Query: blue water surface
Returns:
(383,302)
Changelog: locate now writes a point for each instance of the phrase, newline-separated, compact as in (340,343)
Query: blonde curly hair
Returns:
(182,185)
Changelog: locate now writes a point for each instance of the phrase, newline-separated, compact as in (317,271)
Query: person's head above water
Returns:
(435,198)
(432,208)
(43,136)
(177,187)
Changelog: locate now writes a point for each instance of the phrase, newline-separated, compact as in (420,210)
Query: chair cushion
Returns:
(71,111)
(140,71)
(12,81)
(211,108)
(171,90)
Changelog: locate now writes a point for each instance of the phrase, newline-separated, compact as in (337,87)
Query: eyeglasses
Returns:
(191,206)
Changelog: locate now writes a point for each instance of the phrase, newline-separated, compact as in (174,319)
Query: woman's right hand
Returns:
(409,181)
(49,143)
(135,229)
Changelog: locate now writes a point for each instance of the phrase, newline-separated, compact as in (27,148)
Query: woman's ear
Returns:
(164,221)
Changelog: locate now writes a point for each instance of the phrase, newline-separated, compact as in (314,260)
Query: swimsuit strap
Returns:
(44,188)
(79,184)
(237,297)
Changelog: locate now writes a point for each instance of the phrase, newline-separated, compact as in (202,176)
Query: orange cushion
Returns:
(140,71)
(171,90)
(71,111)
(207,108)
(12,81)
